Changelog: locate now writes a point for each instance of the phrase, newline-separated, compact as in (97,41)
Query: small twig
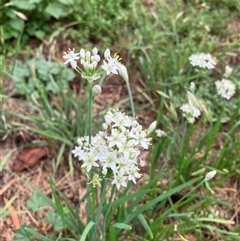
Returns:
(14,216)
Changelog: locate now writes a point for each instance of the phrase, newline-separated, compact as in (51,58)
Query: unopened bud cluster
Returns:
(90,62)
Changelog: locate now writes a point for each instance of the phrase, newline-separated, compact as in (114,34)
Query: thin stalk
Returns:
(89,125)
(103,196)
(90,100)
(130,98)
(107,211)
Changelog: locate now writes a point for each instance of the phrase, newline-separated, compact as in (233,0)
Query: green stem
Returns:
(103,196)
(90,100)
(107,212)
(130,98)
(89,125)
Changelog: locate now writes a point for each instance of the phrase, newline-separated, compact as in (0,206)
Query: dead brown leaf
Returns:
(28,157)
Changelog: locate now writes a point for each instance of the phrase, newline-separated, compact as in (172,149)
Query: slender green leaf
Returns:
(86,231)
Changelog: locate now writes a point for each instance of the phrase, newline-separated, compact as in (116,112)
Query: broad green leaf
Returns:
(36,202)
(56,10)
(23,4)
(40,34)
(55,220)
(68,74)
(55,69)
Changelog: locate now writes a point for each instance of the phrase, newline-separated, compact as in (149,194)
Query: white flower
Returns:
(110,161)
(89,162)
(203,60)
(79,152)
(116,139)
(160,133)
(71,58)
(110,67)
(225,88)
(140,136)
(190,112)
(120,180)
(111,64)
(228,71)
(108,117)
(122,121)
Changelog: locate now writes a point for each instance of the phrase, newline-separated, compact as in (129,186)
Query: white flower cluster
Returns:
(225,88)
(160,133)
(191,112)
(115,150)
(89,62)
(202,60)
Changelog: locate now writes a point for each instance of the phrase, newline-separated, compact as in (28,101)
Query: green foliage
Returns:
(55,220)
(31,17)
(37,18)
(65,219)
(37,73)
(58,111)
(36,202)
(100,20)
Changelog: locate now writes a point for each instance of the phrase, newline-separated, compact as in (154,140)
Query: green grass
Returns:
(158,39)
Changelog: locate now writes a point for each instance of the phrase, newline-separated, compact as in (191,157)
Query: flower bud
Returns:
(152,127)
(95,51)
(210,175)
(97,58)
(82,53)
(86,65)
(82,61)
(107,53)
(94,64)
(96,90)
(88,54)
(122,70)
